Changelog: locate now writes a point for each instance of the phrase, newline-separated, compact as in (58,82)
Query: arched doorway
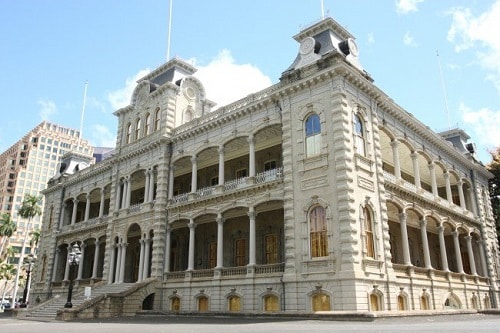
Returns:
(133,253)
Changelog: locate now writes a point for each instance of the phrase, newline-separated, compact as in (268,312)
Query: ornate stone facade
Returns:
(318,193)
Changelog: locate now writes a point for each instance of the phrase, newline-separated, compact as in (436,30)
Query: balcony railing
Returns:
(231,185)
(269,175)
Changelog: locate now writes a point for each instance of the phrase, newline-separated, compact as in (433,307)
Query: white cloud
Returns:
(408,40)
(407,6)
(121,97)
(101,136)
(485,123)
(225,81)
(47,108)
(480,33)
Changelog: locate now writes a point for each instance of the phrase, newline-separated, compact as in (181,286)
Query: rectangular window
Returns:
(241,173)
(271,242)
(240,252)
(270,165)
(212,254)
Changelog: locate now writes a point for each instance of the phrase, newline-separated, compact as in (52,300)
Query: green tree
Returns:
(30,208)
(494,187)
(35,237)
(7,271)
(7,229)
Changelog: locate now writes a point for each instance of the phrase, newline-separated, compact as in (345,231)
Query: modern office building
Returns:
(319,193)
(27,166)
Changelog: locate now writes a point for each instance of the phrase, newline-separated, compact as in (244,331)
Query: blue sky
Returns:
(49,49)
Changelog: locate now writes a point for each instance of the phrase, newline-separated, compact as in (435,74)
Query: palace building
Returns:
(318,193)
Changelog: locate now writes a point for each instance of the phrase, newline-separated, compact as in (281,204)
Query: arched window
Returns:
(313,135)
(175,304)
(147,129)
(424,302)
(234,303)
(157,119)
(320,302)
(401,302)
(138,128)
(375,302)
(368,230)
(359,135)
(188,115)
(203,304)
(129,133)
(271,303)
(318,232)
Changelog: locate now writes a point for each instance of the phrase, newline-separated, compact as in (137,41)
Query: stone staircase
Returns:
(48,310)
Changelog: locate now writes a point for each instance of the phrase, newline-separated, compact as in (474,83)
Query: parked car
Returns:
(5,305)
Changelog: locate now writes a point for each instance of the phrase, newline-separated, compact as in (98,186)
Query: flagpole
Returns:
(169,29)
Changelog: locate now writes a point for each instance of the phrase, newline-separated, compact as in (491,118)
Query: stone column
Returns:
(449,197)
(395,156)
(458,254)
(168,236)
(432,170)
(118,195)
(141,261)
(124,193)
(82,262)
(480,245)
(96,260)
(221,165)
(112,269)
(147,174)
(442,248)
(404,239)
(416,171)
(123,256)
(194,175)
(425,243)
(192,227)
(61,216)
(129,192)
(118,262)
(470,252)
(102,202)
(147,249)
(220,241)
(73,214)
(151,195)
(461,194)
(87,207)
(252,215)
(251,155)
(56,264)
(66,269)
(171,182)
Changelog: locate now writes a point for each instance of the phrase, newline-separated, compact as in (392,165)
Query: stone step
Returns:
(50,310)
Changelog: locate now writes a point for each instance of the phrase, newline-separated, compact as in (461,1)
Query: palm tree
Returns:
(6,273)
(10,253)
(35,238)
(30,208)
(7,229)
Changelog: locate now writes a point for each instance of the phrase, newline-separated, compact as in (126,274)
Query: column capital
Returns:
(394,143)
(194,159)
(423,222)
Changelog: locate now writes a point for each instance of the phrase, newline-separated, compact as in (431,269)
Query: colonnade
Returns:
(442,246)
(221,152)
(220,243)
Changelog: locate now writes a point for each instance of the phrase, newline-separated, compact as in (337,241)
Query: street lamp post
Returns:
(73,260)
(29,266)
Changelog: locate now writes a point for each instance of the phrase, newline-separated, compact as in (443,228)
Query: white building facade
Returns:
(316,194)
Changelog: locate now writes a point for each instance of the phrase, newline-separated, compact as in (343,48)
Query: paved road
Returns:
(162,324)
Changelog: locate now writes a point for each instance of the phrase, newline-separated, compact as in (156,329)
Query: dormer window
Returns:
(157,119)
(147,130)
(129,133)
(138,128)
